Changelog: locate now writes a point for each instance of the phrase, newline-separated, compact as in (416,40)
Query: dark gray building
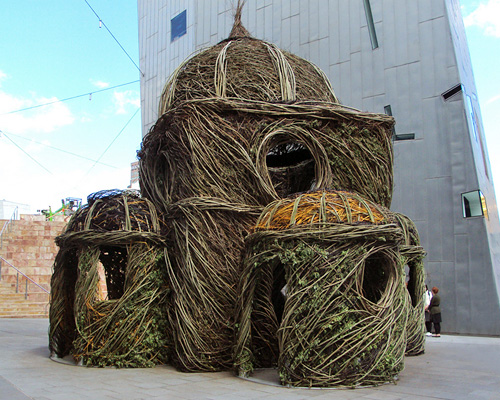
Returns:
(408,58)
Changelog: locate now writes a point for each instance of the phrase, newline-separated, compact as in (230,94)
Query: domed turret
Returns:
(246,68)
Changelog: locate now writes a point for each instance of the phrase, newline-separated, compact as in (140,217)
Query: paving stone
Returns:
(453,368)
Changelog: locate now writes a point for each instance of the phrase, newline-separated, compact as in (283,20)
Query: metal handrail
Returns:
(17,279)
(7,225)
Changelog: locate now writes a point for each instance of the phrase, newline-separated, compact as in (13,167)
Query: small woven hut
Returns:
(109,287)
(323,292)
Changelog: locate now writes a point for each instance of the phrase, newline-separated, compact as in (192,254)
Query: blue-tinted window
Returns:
(371,25)
(178,26)
(474,204)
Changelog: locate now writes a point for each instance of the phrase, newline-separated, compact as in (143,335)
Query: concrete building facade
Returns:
(406,58)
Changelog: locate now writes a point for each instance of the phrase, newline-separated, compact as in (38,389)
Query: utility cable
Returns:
(101,22)
(107,148)
(61,150)
(20,148)
(69,98)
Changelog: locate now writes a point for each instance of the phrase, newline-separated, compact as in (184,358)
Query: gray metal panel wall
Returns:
(158,56)
(422,53)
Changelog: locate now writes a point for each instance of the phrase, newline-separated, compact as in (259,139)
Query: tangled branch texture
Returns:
(263,237)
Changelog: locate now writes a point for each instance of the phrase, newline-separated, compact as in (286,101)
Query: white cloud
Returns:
(493,99)
(3,75)
(43,119)
(100,84)
(127,97)
(487,17)
(29,182)
(36,175)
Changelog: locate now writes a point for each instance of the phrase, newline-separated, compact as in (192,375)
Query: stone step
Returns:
(20,296)
(6,300)
(23,303)
(10,277)
(14,305)
(9,294)
(25,307)
(6,289)
(28,245)
(23,314)
(8,286)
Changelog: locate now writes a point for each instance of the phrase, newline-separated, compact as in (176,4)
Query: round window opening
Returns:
(378,270)
(291,167)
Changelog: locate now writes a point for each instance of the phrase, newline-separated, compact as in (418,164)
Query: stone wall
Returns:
(29,246)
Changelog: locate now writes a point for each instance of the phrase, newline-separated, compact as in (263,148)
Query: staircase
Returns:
(14,305)
(28,246)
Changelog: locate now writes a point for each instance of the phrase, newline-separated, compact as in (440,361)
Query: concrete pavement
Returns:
(453,367)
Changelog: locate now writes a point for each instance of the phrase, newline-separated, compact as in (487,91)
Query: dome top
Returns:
(321,207)
(247,69)
(115,210)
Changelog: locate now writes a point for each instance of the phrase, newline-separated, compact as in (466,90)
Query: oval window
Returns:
(291,168)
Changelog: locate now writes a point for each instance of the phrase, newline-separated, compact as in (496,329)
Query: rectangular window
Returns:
(396,136)
(404,136)
(178,26)
(388,111)
(474,204)
(371,24)
(476,130)
(452,92)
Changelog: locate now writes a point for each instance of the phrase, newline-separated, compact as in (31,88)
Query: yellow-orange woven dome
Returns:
(321,207)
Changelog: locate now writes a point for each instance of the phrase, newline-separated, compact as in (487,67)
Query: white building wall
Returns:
(422,53)
(10,209)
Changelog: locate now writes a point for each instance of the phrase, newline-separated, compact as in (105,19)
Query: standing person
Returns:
(435,310)
(427,302)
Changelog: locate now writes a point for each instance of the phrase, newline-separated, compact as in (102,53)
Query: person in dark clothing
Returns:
(435,310)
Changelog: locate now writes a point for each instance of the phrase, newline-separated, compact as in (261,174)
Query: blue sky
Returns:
(482,24)
(53,50)
(57,49)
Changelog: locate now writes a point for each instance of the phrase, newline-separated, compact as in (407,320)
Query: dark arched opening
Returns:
(376,274)
(278,294)
(114,261)
(291,167)
(411,284)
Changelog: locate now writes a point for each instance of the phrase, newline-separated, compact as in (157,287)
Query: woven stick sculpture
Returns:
(263,237)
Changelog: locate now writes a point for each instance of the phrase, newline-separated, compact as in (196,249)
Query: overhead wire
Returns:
(101,22)
(61,150)
(25,152)
(70,98)
(107,148)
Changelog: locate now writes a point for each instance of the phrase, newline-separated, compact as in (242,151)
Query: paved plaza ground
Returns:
(453,367)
